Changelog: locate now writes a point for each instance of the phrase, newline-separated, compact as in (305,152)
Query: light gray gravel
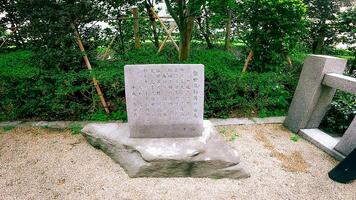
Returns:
(45,164)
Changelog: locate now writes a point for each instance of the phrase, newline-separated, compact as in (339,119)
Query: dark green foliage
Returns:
(347,31)
(50,82)
(322,23)
(230,93)
(29,92)
(341,113)
(8,128)
(343,108)
(270,29)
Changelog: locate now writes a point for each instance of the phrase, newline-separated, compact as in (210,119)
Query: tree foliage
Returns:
(184,12)
(347,32)
(322,15)
(270,29)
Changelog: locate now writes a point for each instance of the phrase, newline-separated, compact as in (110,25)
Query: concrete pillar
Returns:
(311,99)
(348,142)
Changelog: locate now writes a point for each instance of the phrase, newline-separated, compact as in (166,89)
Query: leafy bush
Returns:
(31,92)
(271,29)
(341,113)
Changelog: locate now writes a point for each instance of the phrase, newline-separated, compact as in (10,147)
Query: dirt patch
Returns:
(293,162)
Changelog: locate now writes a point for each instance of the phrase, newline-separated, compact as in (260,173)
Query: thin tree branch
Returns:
(171,11)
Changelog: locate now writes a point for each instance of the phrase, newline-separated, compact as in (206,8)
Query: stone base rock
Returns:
(205,156)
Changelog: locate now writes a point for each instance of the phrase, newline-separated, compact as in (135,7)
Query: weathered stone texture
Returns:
(348,142)
(311,99)
(205,156)
(165,100)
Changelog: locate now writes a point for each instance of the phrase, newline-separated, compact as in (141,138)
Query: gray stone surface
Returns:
(311,99)
(231,121)
(215,121)
(348,141)
(323,141)
(269,120)
(48,124)
(341,82)
(205,156)
(165,100)
(10,123)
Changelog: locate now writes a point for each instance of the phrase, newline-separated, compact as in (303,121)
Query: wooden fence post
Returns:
(136,27)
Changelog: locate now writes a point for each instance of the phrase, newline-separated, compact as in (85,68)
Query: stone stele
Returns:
(164,100)
(165,135)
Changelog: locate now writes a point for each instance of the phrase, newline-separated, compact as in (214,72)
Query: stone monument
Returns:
(165,100)
(166,135)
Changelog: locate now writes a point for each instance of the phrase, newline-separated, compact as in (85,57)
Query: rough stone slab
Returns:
(341,82)
(165,100)
(269,120)
(311,99)
(205,156)
(323,141)
(348,141)
(231,121)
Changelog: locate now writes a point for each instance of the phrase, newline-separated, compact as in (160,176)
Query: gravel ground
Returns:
(45,164)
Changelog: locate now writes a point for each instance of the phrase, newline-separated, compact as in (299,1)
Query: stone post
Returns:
(348,142)
(311,99)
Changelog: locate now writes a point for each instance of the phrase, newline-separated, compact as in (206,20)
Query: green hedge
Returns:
(28,92)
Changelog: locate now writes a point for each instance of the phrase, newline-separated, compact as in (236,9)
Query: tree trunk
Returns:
(205,32)
(121,36)
(228,30)
(318,45)
(153,25)
(136,28)
(318,42)
(185,38)
(208,42)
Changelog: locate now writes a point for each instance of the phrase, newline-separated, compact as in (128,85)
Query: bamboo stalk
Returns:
(247,61)
(289,61)
(162,45)
(165,29)
(106,53)
(166,39)
(4,42)
(87,63)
